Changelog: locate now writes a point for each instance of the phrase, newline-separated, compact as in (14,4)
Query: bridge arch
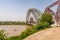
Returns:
(36,13)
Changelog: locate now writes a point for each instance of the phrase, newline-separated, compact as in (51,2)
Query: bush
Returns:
(3,35)
(26,33)
(41,26)
(46,18)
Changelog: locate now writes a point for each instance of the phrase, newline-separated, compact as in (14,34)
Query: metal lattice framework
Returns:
(36,13)
(57,14)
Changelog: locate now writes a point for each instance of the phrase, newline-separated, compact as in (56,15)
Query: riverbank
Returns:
(13,30)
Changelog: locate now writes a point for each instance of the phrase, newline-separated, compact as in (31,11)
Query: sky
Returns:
(16,10)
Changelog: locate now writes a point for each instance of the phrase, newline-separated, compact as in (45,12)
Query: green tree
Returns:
(47,18)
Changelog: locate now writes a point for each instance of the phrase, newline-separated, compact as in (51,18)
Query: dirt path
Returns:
(48,34)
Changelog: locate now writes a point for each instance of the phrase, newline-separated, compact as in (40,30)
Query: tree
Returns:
(47,18)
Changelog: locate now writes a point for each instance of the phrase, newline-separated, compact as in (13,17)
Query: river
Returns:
(13,30)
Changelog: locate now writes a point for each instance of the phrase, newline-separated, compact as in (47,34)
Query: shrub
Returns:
(26,33)
(46,18)
(41,26)
(3,35)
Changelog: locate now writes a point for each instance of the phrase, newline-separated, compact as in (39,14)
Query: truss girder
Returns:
(36,13)
(57,14)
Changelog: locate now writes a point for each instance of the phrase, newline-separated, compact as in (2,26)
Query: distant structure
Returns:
(36,13)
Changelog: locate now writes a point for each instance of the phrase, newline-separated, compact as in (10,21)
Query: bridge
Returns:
(36,13)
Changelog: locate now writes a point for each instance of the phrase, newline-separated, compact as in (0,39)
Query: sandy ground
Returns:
(48,34)
(13,30)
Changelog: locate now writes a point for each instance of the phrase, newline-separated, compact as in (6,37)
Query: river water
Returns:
(13,30)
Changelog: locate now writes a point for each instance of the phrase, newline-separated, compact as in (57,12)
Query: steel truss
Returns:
(57,14)
(36,13)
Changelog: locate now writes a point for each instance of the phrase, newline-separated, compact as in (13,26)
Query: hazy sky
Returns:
(15,10)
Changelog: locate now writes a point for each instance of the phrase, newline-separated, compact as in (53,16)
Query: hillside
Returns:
(48,34)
